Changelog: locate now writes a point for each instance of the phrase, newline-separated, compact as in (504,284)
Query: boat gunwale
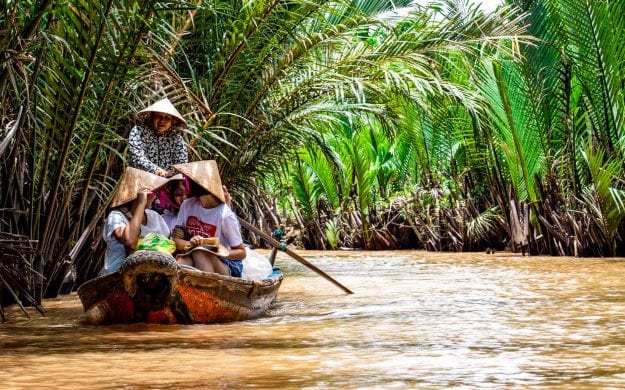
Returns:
(89,295)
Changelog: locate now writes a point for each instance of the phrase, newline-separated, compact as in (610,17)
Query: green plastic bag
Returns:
(156,242)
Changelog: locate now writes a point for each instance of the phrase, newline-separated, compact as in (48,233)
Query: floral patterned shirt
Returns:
(148,151)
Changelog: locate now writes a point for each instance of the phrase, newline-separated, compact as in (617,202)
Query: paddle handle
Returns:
(276,244)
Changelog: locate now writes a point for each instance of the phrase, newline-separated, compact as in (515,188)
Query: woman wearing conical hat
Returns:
(207,231)
(131,217)
(156,145)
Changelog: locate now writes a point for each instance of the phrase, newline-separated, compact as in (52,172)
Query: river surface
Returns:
(417,320)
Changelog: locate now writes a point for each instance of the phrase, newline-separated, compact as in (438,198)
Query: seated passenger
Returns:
(203,215)
(130,217)
(157,144)
(169,198)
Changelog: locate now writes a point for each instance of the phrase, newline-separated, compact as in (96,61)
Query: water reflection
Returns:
(416,319)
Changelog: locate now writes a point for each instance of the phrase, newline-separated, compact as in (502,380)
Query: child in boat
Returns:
(203,215)
(170,199)
(131,217)
(156,145)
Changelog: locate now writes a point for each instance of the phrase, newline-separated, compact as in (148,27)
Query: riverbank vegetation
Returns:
(345,123)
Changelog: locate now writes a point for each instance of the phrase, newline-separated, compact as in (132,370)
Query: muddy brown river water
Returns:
(417,320)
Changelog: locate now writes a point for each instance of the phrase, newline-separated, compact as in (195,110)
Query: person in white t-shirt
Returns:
(203,215)
(131,217)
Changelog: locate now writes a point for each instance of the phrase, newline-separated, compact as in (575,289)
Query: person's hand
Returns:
(227,197)
(163,173)
(151,196)
(177,233)
(196,240)
(142,196)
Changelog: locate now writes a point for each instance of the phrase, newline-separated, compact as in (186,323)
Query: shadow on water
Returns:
(416,319)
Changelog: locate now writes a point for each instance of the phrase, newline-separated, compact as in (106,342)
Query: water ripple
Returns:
(417,320)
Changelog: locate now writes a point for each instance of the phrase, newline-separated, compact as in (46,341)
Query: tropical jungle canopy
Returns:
(371,124)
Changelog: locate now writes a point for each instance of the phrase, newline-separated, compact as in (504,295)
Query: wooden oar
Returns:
(276,244)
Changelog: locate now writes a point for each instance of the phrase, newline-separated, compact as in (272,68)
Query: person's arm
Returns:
(178,235)
(227,196)
(231,230)
(181,155)
(129,234)
(177,152)
(237,252)
(136,152)
(181,244)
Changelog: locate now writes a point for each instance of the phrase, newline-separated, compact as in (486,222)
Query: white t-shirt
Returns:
(115,250)
(155,224)
(219,221)
(170,218)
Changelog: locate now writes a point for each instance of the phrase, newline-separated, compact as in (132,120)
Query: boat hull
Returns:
(151,287)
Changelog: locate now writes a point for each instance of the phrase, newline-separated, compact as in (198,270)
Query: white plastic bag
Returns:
(255,266)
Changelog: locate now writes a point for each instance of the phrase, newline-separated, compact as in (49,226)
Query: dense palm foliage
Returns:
(255,79)
(533,158)
(63,84)
(437,127)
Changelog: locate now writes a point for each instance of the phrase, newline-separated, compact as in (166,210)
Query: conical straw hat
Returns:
(163,106)
(206,174)
(134,180)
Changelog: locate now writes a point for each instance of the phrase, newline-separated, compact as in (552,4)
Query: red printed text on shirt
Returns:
(195,227)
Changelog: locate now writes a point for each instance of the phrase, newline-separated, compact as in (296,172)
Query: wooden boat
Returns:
(151,287)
